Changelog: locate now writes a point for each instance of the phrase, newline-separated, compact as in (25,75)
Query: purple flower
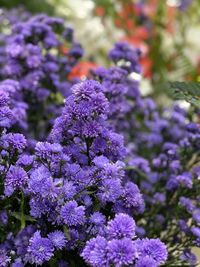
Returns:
(63,264)
(40,249)
(159,197)
(132,197)
(110,190)
(146,262)
(17,263)
(185,179)
(25,160)
(73,214)
(184,4)
(16,179)
(153,248)
(121,226)
(3,217)
(69,190)
(4,259)
(183,225)
(124,54)
(95,252)
(58,239)
(121,252)
(140,231)
(189,257)
(7,118)
(187,203)
(196,215)
(41,183)
(46,150)
(196,231)
(15,141)
(4,98)
(22,240)
(141,164)
(97,218)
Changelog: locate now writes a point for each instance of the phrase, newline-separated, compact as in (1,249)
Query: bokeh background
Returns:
(166,31)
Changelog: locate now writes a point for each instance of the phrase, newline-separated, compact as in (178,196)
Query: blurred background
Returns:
(166,31)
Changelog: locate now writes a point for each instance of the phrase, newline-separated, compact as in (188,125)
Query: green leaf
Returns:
(17,215)
(188,91)
(66,231)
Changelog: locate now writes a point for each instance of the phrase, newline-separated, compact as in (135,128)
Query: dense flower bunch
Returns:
(114,183)
(39,53)
(117,248)
(163,158)
(74,184)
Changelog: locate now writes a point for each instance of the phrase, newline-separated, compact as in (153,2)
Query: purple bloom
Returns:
(7,118)
(184,4)
(22,240)
(25,160)
(196,215)
(16,179)
(159,197)
(141,164)
(69,190)
(58,239)
(4,98)
(187,203)
(97,218)
(15,141)
(17,263)
(3,217)
(63,264)
(73,214)
(40,249)
(196,231)
(41,183)
(185,179)
(140,231)
(95,252)
(46,150)
(183,226)
(123,52)
(146,262)
(4,259)
(110,190)
(121,226)
(121,252)
(189,257)
(153,248)
(132,197)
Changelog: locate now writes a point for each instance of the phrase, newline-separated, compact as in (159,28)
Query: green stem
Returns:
(23,223)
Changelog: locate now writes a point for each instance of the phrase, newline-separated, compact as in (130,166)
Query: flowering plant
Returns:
(113,182)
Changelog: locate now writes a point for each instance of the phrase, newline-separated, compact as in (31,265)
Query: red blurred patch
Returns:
(81,70)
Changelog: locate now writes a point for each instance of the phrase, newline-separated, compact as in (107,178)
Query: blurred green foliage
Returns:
(188,91)
(34,6)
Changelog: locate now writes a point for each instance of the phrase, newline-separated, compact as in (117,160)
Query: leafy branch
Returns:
(188,91)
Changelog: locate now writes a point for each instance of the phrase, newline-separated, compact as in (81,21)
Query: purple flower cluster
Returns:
(74,182)
(112,181)
(162,157)
(118,248)
(36,61)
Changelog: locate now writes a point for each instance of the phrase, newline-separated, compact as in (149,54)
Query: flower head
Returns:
(121,226)
(16,179)
(40,249)
(121,252)
(73,214)
(58,239)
